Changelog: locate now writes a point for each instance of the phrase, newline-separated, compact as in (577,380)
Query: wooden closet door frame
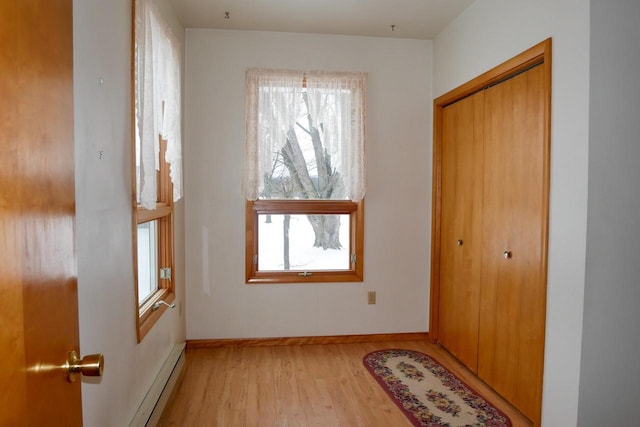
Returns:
(538,54)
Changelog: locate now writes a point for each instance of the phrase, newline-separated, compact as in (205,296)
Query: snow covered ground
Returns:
(302,255)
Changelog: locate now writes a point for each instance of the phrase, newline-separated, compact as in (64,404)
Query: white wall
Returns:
(102,53)
(397,213)
(610,375)
(486,34)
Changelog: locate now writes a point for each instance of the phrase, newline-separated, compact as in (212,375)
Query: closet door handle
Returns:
(507,255)
(459,242)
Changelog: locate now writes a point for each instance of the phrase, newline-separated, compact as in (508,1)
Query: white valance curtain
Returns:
(157,102)
(335,103)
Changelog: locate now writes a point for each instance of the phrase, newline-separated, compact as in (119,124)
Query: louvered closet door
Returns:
(461,228)
(512,301)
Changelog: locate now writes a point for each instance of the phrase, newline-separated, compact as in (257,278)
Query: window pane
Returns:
(139,167)
(138,161)
(303,242)
(307,136)
(147,259)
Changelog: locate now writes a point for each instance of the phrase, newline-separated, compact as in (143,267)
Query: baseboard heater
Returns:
(154,402)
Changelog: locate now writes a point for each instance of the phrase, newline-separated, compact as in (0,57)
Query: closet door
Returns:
(461,228)
(512,301)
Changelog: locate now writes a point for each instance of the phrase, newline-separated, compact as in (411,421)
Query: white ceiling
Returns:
(416,19)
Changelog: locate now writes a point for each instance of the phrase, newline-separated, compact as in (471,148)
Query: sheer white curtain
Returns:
(157,102)
(274,105)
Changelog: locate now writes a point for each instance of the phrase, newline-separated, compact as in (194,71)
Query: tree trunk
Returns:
(297,166)
(327,231)
(285,235)
(329,183)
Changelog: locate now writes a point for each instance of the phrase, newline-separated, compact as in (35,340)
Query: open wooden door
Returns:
(38,288)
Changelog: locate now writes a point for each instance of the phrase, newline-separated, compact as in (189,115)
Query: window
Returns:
(157,161)
(304,176)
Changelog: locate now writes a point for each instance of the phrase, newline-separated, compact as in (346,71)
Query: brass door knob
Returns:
(91,365)
(507,255)
(459,242)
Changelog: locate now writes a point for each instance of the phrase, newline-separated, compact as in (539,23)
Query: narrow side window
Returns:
(157,181)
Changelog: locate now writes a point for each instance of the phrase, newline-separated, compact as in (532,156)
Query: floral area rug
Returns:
(428,394)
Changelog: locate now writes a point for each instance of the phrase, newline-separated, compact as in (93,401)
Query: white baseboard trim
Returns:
(153,404)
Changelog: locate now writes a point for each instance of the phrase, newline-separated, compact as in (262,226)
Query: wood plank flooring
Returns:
(309,385)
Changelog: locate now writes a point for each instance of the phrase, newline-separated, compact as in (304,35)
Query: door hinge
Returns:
(353,258)
(255,259)
(165,273)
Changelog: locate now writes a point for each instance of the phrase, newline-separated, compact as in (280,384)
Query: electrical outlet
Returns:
(371,297)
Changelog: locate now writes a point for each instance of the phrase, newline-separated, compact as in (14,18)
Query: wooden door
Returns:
(460,263)
(512,301)
(39,310)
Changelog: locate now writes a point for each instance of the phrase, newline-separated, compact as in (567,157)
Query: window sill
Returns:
(299,277)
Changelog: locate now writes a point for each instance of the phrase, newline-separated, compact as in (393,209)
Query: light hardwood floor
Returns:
(309,385)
